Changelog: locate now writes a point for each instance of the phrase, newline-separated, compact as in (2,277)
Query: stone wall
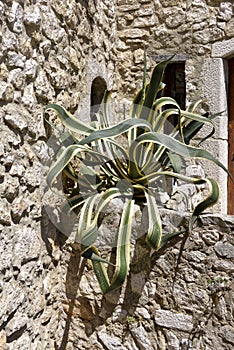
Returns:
(189,29)
(50,52)
(175,300)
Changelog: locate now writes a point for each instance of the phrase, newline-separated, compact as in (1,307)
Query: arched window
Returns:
(98,89)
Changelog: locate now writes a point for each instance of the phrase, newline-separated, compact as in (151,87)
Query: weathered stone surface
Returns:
(32,16)
(225,11)
(6,92)
(225,250)
(16,60)
(171,320)
(173,342)
(3,340)
(5,217)
(110,342)
(134,33)
(222,265)
(141,337)
(227,332)
(229,29)
(15,119)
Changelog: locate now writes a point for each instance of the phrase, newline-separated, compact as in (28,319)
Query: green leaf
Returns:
(65,157)
(122,253)
(210,200)
(105,109)
(123,246)
(154,85)
(71,123)
(116,130)
(175,146)
(154,232)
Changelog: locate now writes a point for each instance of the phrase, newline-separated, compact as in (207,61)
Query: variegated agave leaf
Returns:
(131,171)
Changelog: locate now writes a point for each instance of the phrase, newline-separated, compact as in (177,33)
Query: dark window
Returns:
(97,92)
(174,78)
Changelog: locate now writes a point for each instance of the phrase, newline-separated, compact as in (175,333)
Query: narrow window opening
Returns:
(174,78)
(98,89)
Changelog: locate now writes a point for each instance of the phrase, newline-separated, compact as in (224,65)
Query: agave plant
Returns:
(100,167)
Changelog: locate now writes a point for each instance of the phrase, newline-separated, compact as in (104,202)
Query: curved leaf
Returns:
(175,146)
(116,130)
(154,233)
(65,157)
(210,200)
(69,120)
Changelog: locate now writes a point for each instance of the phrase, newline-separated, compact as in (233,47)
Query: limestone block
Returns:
(211,237)
(110,342)
(129,7)
(223,48)
(15,119)
(42,86)
(196,256)
(15,17)
(19,207)
(26,245)
(227,333)
(5,217)
(28,98)
(32,16)
(223,265)
(173,342)
(16,59)
(6,92)
(141,337)
(145,11)
(174,17)
(192,295)
(16,78)
(3,340)
(7,307)
(30,69)
(51,28)
(214,90)
(3,72)
(224,250)
(41,150)
(10,187)
(133,33)
(60,79)
(229,30)
(18,322)
(17,169)
(142,313)
(169,3)
(197,12)
(171,320)
(144,22)
(32,176)
(225,11)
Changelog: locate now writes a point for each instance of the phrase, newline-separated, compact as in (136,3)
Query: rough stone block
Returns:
(171,320)
(225,250)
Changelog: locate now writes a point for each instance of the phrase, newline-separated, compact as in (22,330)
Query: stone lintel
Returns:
(175,58)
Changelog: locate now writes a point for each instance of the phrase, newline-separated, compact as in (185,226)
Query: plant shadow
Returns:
(74,273)
(127,298)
